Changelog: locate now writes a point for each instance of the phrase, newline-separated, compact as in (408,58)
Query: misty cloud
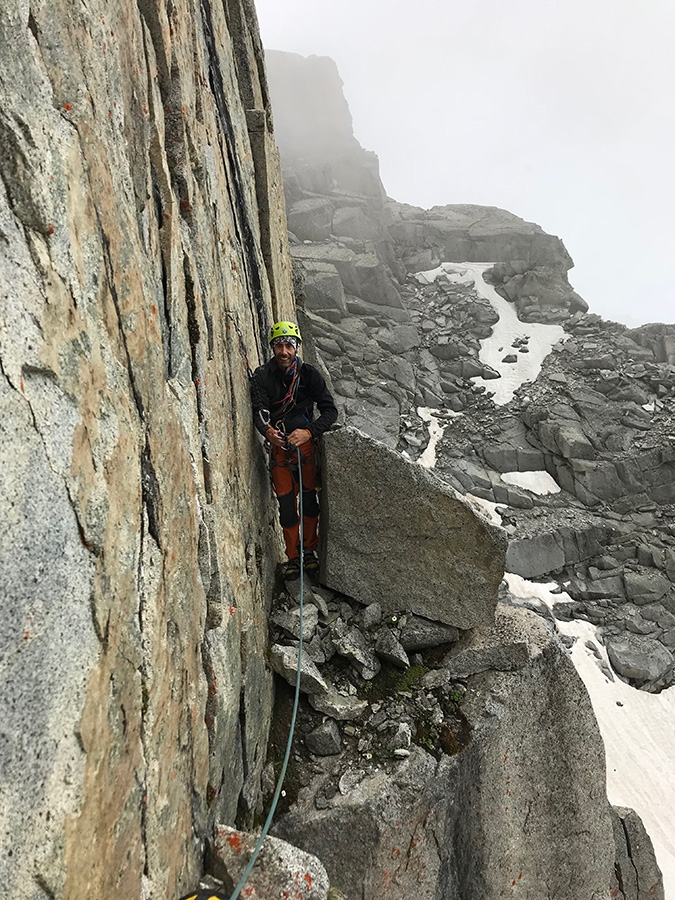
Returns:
(560,113)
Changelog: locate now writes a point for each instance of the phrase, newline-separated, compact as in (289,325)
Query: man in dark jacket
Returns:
(284,392)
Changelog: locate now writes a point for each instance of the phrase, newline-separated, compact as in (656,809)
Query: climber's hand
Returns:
(276,437)
(299,437)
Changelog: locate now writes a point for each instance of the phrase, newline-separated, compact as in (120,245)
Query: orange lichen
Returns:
(234,841)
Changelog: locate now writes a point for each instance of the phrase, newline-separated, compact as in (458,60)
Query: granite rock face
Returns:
(140,206)
(395,535)
(638,876)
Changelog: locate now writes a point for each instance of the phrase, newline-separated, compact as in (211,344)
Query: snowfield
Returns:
(509,328)
(638,730)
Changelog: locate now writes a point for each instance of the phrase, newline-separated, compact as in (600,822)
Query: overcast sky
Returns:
(561,112)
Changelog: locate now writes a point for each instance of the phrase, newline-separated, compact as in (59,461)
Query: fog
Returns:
(561,113)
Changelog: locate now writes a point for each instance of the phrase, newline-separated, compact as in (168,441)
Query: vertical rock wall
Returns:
(140,201)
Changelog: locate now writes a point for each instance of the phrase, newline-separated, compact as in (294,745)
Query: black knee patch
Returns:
(310,504)
(288,513)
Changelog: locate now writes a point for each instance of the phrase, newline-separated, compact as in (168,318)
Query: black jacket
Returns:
(269,386)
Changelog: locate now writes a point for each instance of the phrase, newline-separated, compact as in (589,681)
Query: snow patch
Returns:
(485,507)
(428,459)
(638,730)
(453,273)
(509,329)
(536,482)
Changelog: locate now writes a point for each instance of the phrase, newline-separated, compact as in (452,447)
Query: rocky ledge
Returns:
(435,759)
(426,760)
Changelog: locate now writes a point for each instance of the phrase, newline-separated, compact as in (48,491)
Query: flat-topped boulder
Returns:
(393,533)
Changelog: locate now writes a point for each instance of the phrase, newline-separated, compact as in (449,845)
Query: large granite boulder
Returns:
(394,533)
(354,222)
(640,658)
(535,556)
(502,647)
(311,219)
(323,288)
(363,274)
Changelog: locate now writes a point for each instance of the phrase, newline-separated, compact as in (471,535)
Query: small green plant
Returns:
(456,696)
(410,677)
(426,735)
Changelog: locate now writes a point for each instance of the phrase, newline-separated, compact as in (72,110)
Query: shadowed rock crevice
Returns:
(236,182)
(199,377)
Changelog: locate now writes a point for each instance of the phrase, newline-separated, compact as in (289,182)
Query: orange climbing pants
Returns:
(287,487)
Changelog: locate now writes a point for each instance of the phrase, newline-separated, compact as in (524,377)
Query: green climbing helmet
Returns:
(284,330)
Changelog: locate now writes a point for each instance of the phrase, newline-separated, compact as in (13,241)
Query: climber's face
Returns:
(284,353)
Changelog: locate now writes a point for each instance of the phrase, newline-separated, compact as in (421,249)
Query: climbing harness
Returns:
(284,765)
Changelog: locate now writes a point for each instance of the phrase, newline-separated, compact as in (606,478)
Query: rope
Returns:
(284,765)
(288,402)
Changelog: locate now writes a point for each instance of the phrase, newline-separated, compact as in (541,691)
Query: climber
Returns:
(284,392)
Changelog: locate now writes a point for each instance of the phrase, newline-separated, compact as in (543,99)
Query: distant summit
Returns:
(312,115)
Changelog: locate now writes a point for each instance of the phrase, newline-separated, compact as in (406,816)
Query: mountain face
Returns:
(453,336)
(462,318)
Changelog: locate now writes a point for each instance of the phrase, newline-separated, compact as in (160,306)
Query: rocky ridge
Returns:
(401,345)
(428,761)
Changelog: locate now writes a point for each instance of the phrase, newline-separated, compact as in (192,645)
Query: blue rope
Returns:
(282,773)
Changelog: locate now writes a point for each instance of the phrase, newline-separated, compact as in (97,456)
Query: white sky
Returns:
(562,113)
